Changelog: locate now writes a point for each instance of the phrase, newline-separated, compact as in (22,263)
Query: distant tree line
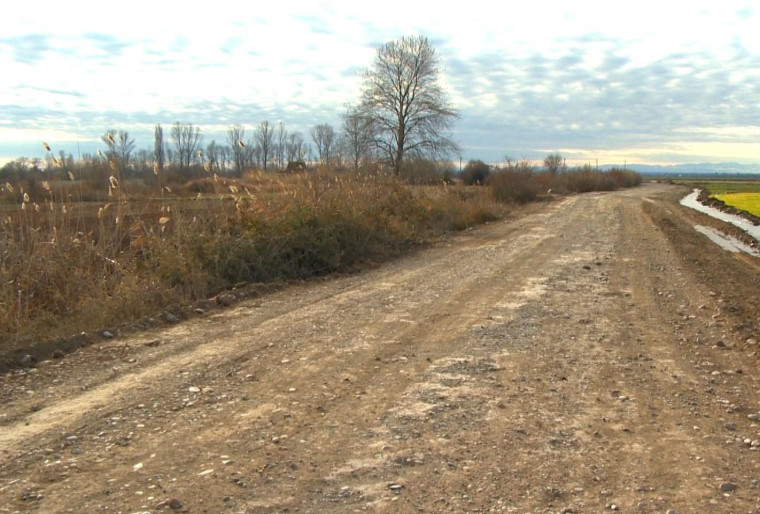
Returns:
(400,123)
(402,115)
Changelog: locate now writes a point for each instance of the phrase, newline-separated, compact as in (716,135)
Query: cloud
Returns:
(520,88)
(51,91)
(746,13)
(179,44)
(28,49)
(40,49)
(231,45)
(109,45)
(596,97)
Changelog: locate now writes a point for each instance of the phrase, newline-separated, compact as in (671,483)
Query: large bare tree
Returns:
(324,138)
(109,138)
(281,137)
(187,141)
(214,156)
(295,147)
(265,142)
(125,145)
(120,147)
(242,150)
(357,136)
(554,162)
(405,103)
(159,150)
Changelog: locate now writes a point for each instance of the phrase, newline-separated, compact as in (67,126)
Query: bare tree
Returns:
(295,147)
(213,155)
(357,136)
(109,138)
(324,138)
(119,148)
(241,150)
(406,105)
(281,136)
(225,156)
(553,162)
(64,163)
(187,140)
(159,149)
(125,145)
(265,141)
(141,161)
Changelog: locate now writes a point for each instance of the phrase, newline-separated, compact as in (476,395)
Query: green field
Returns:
(722,187)
(748,202)
(741,194)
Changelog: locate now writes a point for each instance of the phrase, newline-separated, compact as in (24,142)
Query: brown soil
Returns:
(590,354)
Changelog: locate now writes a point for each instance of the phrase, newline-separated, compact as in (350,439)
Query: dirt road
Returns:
(590,354)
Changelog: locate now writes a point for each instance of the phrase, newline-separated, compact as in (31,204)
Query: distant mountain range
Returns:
(722,169)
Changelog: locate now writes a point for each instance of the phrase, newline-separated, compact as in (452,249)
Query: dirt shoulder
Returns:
(594,353)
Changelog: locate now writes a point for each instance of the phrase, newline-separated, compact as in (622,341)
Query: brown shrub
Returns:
(67,266)
(516,185)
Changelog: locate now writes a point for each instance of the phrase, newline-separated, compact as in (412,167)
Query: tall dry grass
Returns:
(73,259)
(102,248)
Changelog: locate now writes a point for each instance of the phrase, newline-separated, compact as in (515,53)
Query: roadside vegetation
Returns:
(100,240)
(523,181)
(95,252)
(69,265)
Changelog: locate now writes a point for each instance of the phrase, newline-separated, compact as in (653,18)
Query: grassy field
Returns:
(719,186)
(741,194)
(748,202)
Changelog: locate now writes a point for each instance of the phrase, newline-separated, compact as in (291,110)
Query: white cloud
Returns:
(50,135)
(596,75)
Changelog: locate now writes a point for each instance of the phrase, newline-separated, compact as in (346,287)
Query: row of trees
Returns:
(402,111)
(266,146)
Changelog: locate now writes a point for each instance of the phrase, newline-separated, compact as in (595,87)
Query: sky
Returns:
(598,81)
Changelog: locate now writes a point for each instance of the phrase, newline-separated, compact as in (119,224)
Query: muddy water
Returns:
(692,202)
(725,241)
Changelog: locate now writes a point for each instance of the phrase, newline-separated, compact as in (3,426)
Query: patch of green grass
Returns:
(740,194)
(748,202)
(721,187)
